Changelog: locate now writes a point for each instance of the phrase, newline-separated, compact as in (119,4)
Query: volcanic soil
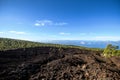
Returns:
(52,63)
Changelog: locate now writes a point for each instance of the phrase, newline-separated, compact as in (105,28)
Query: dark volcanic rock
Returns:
(51,63)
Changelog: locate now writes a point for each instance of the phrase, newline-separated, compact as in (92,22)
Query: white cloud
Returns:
(1,32)
(61,23)
(38,24)
(63,33)
(43,22)
(82,42)
(16,32)
(48,23)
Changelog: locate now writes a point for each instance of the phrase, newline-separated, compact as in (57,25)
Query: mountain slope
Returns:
(25,60)
(8,44)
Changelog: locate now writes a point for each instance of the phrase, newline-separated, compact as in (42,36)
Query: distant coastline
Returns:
(86,43)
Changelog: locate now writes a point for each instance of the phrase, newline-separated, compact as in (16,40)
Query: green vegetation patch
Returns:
(7,44)
(111,50)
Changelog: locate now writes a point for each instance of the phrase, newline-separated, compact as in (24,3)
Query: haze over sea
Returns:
(85,43)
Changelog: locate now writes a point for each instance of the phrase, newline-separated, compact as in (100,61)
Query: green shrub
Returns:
(111,50)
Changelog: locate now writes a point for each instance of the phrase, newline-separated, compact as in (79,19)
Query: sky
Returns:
(37,20)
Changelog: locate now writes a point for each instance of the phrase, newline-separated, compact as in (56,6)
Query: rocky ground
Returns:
(50,63)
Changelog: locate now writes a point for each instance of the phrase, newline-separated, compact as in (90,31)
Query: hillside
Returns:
(7,44)
(56,63)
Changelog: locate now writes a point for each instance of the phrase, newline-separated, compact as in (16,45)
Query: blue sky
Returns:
(60,19)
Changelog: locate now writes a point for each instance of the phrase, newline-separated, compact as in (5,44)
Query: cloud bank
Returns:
(16,32)
(49,23)
(1,32)
(63,33)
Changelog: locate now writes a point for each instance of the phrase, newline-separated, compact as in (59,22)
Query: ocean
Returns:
(85,43)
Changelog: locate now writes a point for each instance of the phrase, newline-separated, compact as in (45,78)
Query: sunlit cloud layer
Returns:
(1,32)
(16,32)
(63,33)
(49,23)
